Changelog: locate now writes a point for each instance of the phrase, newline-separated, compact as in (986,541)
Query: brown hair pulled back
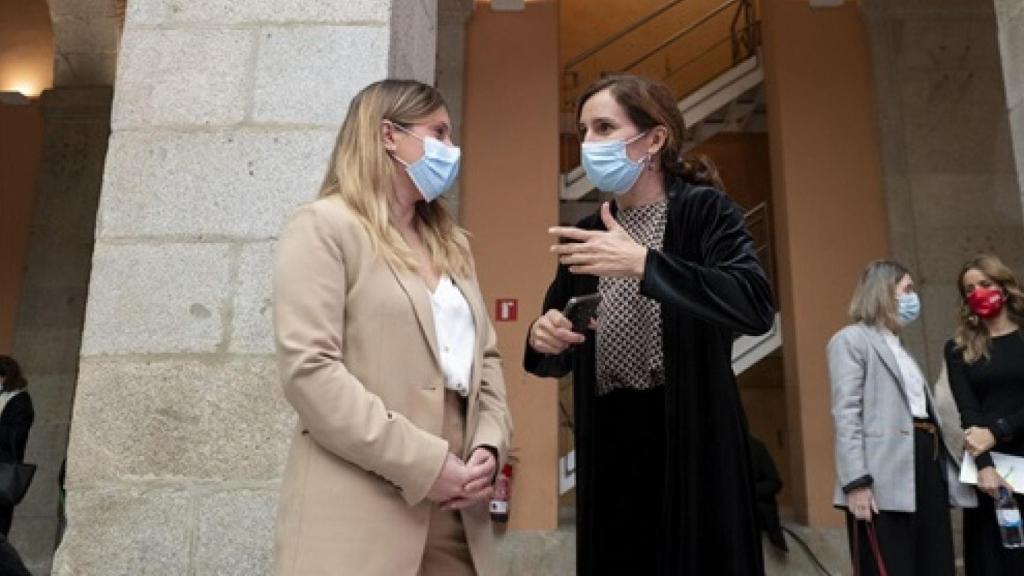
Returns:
(649,103)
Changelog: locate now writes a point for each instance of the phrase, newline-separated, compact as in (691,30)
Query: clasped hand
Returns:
(978,440)
(463,484)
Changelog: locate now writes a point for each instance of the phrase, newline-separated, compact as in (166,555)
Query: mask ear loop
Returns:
(400,128)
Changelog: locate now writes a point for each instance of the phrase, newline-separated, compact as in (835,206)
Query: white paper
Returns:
(1011,468)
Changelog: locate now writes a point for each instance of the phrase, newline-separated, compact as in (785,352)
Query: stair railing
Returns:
(744,38)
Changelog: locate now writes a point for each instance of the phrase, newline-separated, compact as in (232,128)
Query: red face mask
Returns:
(985,302)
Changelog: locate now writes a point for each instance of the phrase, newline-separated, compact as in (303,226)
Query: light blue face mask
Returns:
(436,171)
(608,166)
(908,307)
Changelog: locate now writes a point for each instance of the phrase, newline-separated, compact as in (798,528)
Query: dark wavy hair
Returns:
(11,373)
(650,103)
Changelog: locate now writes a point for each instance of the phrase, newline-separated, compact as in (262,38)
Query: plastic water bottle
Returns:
(502,494)
(1008,518)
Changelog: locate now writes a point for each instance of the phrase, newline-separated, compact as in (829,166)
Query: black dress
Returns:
(990,393)
(664,484)
(15,422)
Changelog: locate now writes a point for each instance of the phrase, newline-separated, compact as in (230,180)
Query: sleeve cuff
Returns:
(862,482)
(984,461)
(416,484)
(490,436)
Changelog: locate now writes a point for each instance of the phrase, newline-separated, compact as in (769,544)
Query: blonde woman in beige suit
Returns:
(388,357)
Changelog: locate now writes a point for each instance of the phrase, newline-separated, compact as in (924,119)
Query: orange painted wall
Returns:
(26,46)
(743,162)
(21,141)
(829,212)
(509,199)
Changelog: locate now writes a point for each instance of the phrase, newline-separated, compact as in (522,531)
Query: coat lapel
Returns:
(416,290)
(885,353)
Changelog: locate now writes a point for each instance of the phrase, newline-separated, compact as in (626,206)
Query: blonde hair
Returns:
(874,299)
(972,336)
(360,172)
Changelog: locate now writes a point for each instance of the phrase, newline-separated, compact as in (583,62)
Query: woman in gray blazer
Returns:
(893,470)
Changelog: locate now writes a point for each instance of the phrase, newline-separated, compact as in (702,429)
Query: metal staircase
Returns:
(712,64)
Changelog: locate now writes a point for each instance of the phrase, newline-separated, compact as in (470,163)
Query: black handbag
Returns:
(15,478)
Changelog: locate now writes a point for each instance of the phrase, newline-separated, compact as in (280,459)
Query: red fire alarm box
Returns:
(506,309)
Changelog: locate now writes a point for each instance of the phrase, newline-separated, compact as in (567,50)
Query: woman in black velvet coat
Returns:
(664,484)
(16,416)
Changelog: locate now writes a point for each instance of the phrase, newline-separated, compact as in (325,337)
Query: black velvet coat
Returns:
(711,287)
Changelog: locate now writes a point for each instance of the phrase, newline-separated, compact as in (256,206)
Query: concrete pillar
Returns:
(85,37)
(452,16)
(511,198)
(48,333)
(1010,17)
(950,183)
(224,116)
(826,190)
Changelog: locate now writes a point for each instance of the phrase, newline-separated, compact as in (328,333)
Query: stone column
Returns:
(1010,16)
(52,307)
(947,157)
(224,115)
(452,17)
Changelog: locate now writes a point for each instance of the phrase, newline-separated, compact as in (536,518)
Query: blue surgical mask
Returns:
(436,171)
(908,307)
(608,166)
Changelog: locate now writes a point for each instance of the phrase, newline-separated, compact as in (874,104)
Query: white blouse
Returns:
(456,335)
(913,379)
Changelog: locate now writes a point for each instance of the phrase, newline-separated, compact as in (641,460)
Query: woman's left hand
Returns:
(978,440)
(989,482)
(481,465)
(600,253)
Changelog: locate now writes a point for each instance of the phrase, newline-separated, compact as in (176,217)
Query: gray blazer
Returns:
(873,423)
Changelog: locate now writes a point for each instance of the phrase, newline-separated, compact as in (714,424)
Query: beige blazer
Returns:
(357,356)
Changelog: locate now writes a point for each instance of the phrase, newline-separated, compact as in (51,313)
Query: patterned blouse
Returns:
(629,352)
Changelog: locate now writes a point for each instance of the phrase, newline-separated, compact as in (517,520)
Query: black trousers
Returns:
(918,543)
(10,561)
(984,554)
(6,516)
(628,481)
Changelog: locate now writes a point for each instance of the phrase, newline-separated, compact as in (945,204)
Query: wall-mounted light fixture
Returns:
(508,5)
(30,81)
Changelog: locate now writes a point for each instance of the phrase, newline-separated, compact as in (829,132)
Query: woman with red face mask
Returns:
(986,373)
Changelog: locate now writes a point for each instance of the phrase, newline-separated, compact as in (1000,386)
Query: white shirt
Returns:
(913,379)
(456,335)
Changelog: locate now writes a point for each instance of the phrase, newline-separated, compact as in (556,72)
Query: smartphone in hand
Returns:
(581,310)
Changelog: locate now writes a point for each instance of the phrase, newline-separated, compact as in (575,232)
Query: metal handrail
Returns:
(586,54)
(672,39)
(670,72)
(759,212)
